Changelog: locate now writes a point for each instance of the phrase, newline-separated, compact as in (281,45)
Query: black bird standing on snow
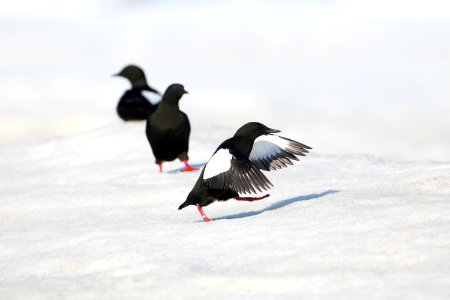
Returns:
(133,105)
(168,129)
(235,166)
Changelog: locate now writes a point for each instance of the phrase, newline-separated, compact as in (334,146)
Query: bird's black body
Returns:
(168,134)
(133,105)
(168,128)
(235,166)
(202,195)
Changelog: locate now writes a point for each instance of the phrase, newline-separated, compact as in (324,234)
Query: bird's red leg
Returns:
(160,167)
(200,209)
(188,167)
(251,198)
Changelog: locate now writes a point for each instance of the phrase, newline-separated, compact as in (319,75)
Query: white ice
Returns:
(85,213)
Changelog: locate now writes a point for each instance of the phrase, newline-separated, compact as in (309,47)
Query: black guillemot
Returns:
(133,105)
(235,167)
(168,129)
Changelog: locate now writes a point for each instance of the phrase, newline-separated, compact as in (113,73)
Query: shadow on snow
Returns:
(277,205)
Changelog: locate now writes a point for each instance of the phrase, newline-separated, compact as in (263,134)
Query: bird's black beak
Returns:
(116,75)
(150,89)
(272,131)
(185,92)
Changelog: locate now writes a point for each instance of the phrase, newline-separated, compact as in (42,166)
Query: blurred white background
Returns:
(342,76)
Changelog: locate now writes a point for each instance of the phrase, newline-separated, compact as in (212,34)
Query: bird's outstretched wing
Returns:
(225,171)
(272,152)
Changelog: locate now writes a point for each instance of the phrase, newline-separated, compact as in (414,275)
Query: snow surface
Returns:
(90,217)
(85,214)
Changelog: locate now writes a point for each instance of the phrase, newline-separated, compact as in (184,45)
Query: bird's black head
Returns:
(253,130)
(136,76)
(174,93)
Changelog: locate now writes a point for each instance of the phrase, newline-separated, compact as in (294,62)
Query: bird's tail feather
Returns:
(185,203)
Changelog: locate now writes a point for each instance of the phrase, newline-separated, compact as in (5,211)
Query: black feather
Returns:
(168,128)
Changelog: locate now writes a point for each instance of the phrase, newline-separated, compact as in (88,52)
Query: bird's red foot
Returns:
(160,167)
(188,167)
(205,218)
(250,199)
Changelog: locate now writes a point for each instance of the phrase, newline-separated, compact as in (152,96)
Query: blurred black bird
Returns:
(168,129)
(133,105)
(235,166)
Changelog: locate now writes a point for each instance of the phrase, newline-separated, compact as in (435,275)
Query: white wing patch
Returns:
(267,146)
(272,152)
(220,162)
